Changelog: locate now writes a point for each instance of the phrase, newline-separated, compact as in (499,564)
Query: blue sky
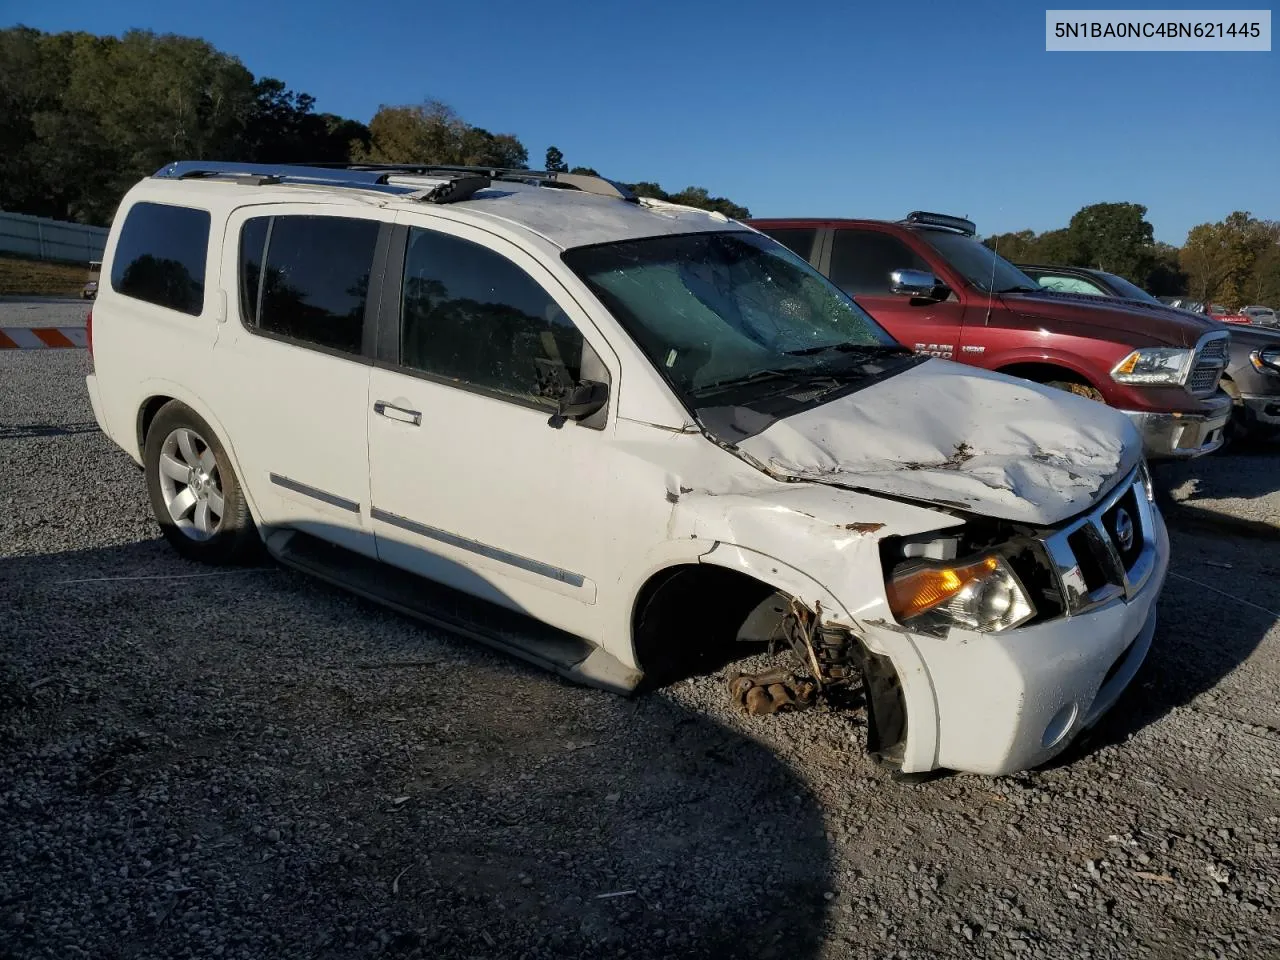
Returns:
(839,109)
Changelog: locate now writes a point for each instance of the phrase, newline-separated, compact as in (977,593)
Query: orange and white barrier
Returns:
(42,338)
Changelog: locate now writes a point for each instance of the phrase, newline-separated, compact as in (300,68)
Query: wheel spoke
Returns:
(207,462)
(181,504)
(173,468)
(216,503)
(186,443)
(201,517)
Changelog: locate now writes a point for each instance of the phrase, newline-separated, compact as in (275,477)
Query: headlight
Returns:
(1266,361)
(1154,365)
(982,594)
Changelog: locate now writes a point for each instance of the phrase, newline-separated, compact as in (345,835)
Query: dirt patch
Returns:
(20,277)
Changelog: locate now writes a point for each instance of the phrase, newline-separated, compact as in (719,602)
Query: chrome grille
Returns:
(1210,361)
(1108,553)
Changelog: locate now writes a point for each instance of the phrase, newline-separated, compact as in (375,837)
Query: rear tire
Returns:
(195,494)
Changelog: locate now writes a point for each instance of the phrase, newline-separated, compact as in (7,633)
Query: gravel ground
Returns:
(1240,488)
(200,763)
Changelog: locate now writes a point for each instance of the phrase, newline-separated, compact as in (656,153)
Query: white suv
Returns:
(619,438)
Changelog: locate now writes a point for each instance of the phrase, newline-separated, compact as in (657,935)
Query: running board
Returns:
(508,630)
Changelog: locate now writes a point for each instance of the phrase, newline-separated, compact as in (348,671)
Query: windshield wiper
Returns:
(874,349)
(793,374)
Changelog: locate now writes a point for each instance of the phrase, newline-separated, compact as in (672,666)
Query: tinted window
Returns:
(978,263)
(160,256)
(798,240)
(1124,288)
(861,261)
(316,279)
(471,315)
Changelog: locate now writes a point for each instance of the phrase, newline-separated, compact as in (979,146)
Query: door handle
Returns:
(392,412)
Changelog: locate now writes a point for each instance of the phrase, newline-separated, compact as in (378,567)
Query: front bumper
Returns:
(1183,435)
(997,703)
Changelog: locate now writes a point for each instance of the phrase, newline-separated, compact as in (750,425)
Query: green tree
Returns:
(1166,278)
(1027,246)
(1113,236)
(589,171)
(691,197)
(1057,246)
(1015,247)
(1265,287)
(432,132)
(700,197)
(1230,261)
(554,162)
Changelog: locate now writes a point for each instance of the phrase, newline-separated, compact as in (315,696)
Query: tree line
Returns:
(1235,261)
(84,117)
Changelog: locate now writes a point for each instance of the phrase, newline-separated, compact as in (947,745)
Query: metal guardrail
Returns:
(46,239)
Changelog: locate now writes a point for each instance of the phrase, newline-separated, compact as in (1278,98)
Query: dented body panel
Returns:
(973,440)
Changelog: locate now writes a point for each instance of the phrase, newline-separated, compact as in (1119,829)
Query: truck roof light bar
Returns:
(922,218)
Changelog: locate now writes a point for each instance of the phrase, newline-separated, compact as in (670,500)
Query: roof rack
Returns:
(923,218)
(433,183)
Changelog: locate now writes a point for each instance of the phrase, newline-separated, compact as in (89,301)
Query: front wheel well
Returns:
(694,619)
(687,618)
(1041,372)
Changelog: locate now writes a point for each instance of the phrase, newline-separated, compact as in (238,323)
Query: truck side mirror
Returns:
(916,284)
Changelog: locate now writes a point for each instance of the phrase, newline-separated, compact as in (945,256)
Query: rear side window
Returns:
(306,278)
(861,261)
(799,240)
(472,316)
(160,256)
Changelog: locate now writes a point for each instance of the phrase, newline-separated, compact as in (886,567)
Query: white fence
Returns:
(50,239)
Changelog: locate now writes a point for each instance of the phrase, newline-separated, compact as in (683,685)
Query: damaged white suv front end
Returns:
(1016,624)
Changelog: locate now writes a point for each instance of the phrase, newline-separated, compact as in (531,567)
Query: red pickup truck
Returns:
(938,290)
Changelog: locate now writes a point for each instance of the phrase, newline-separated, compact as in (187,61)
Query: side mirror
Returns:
(580,401)
(917,284)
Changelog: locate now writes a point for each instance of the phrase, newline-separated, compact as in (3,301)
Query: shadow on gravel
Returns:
(21,431)
(1249,482)
(254,764)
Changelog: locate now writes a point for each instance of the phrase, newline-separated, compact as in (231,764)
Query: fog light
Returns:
(1060,725)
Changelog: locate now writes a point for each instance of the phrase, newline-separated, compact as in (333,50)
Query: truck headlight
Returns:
(1266,360)
(1154,365)
(982,594)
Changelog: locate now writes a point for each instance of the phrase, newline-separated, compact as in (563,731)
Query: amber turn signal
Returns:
(914,593)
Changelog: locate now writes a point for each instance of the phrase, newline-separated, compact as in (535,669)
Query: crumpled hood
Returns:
(954,435)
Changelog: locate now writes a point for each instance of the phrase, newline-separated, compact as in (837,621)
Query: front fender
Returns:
(882,637)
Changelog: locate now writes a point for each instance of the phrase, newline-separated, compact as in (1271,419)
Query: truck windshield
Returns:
(977,263)
(1124,288)
(733,309)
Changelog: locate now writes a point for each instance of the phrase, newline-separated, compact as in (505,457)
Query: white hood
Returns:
(959,436)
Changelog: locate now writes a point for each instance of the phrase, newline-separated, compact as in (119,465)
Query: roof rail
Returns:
(925,219)
(455,182)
